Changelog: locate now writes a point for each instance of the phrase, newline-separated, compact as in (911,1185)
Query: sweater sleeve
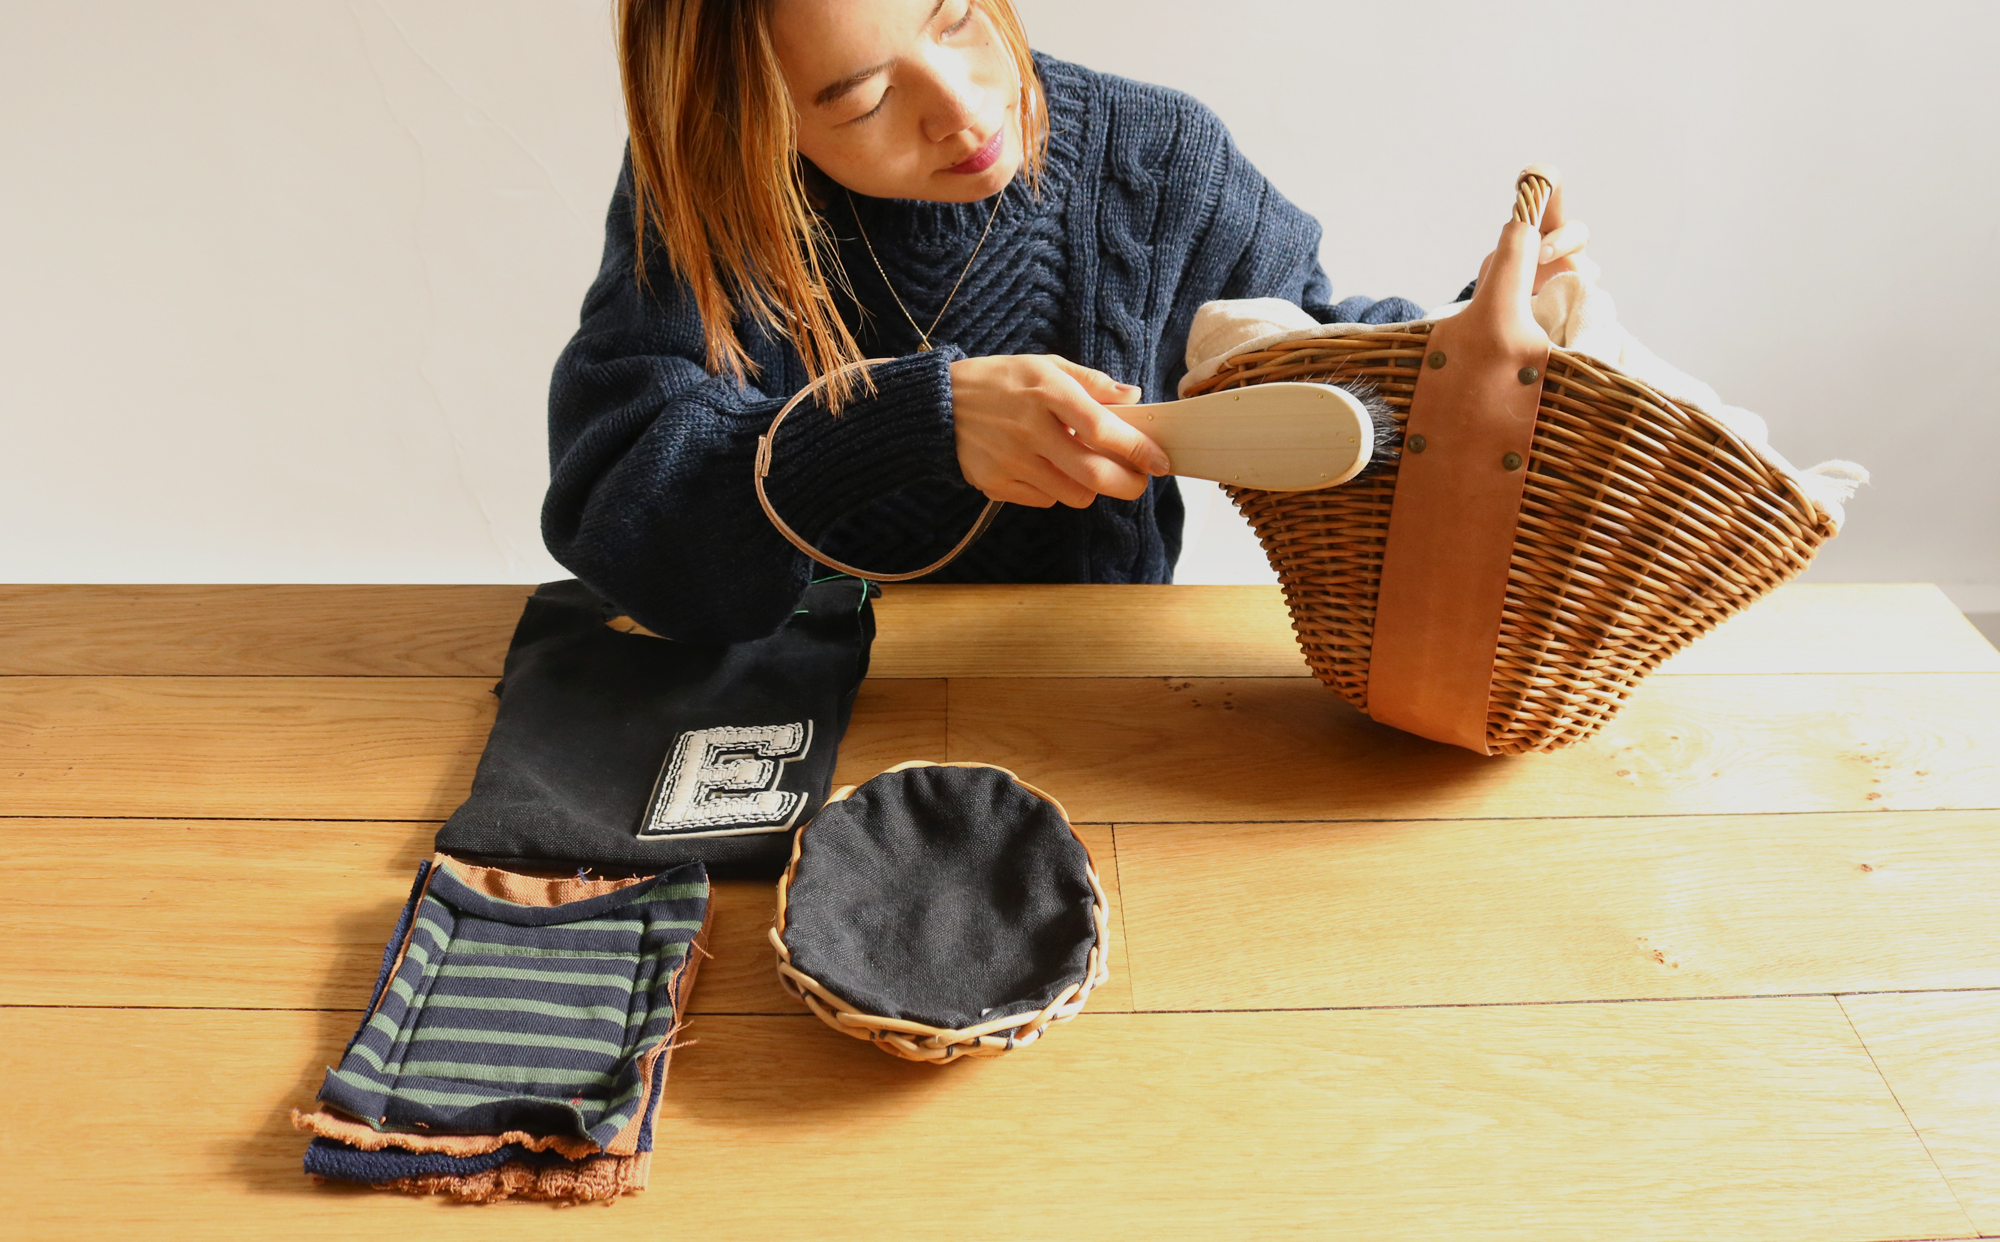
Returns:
(650,497)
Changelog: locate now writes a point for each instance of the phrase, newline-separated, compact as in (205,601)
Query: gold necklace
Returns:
(923,337)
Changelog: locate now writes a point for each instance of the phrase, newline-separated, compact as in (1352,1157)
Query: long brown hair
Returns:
(718,184)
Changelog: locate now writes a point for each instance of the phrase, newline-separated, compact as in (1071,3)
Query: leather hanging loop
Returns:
(1466,456)
(766,445)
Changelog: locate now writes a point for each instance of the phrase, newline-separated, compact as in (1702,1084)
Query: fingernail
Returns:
(1157,465)
(1548,252)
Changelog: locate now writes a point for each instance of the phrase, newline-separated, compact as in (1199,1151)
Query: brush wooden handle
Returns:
(1289,437)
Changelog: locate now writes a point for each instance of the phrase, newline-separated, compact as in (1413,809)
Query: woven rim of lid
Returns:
(915,1041)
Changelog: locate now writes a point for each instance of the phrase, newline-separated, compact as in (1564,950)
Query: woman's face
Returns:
(902,98)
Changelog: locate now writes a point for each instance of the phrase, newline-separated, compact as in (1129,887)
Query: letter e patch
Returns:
(723,782)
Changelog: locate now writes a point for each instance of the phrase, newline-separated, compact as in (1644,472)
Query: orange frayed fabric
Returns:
(528,889)
(363,1137)
(596,1181)
(598,1174)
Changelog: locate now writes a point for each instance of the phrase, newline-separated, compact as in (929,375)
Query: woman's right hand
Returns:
(1033,430)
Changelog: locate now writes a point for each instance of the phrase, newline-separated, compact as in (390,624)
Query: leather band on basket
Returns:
(1464,467)
(765,447)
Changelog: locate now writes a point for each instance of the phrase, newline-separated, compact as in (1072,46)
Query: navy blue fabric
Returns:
(1145,211)
(333,1159)
(942,895)
(390,950)
(510,1017)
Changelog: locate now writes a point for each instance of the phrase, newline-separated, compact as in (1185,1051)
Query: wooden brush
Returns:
(1287,437)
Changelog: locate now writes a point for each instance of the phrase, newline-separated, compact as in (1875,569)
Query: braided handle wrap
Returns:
(1538,198)
(765,446)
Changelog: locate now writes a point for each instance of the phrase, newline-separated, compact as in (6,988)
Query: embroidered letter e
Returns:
(723,782)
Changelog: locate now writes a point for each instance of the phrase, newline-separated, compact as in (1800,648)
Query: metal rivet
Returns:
(1511,461)
(1528,375)
(1417,444)
(1436,359)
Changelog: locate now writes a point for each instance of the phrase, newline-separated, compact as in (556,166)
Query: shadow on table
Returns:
(1259,749)
(269,1159)
(784,1072)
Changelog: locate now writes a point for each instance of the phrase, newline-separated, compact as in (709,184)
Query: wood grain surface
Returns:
(1228,750)
(1940,1054)
(1843,628)
(1751,1119)
(1169,750)
(364,748)
(1724,972)
(293,914)
(236,914)
(290,631)
(1506,911)
(926,630)
(1084,631)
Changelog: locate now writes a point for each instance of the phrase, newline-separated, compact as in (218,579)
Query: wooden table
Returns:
(1728,971)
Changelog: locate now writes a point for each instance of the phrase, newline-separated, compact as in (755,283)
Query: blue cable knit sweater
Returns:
(1146,210)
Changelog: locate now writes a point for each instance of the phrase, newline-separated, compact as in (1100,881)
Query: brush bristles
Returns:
(1388,447)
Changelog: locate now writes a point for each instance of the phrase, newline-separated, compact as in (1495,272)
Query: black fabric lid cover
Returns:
(942,895)
(591,717)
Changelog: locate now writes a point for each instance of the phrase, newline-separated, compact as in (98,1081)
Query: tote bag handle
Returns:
(1466,459)
(766,444)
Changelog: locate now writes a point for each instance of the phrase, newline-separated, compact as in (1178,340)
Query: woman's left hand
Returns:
(1562,251)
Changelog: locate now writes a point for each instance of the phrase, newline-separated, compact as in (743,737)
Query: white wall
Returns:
(280,285)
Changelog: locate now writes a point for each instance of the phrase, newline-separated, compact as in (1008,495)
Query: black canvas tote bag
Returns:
(623,750)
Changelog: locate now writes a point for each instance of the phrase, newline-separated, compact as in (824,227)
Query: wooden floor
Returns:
(1729,971)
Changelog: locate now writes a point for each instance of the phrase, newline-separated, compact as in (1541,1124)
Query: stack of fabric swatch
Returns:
(517,1041)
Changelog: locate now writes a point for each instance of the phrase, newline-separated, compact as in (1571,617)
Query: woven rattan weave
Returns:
(916,1041)
(1645,522)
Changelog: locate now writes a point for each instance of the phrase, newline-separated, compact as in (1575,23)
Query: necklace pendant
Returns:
(923,337)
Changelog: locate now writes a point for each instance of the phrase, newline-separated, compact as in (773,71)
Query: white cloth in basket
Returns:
(1576,314)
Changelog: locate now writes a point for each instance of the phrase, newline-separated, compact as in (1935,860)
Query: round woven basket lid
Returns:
(945,895)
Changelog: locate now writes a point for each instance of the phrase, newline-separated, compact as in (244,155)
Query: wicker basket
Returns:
(916,1041)
(1642,522)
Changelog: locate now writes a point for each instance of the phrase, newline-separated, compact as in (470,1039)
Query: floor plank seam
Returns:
(1545,819)
(946,676)
(1907,1119)
(1017,677)
(1136,1012)
(1130,822)
(494,676)
(1603,1000)
(358,1011)
(194,1008)
(232,819)
(1124,936)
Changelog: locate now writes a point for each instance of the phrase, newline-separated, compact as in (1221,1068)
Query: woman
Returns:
(815,181)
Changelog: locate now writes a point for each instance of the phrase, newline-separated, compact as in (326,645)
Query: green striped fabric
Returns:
(511,1017)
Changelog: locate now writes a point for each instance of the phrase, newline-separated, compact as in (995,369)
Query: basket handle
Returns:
(1538,198)
(765,446)
(1459,485)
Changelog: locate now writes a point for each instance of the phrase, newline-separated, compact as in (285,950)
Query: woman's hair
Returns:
(718,185)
